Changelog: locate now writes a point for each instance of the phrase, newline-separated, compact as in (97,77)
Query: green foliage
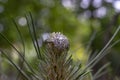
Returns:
(82,23)
(52,63)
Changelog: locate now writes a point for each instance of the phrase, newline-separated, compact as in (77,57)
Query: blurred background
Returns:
(87,23)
